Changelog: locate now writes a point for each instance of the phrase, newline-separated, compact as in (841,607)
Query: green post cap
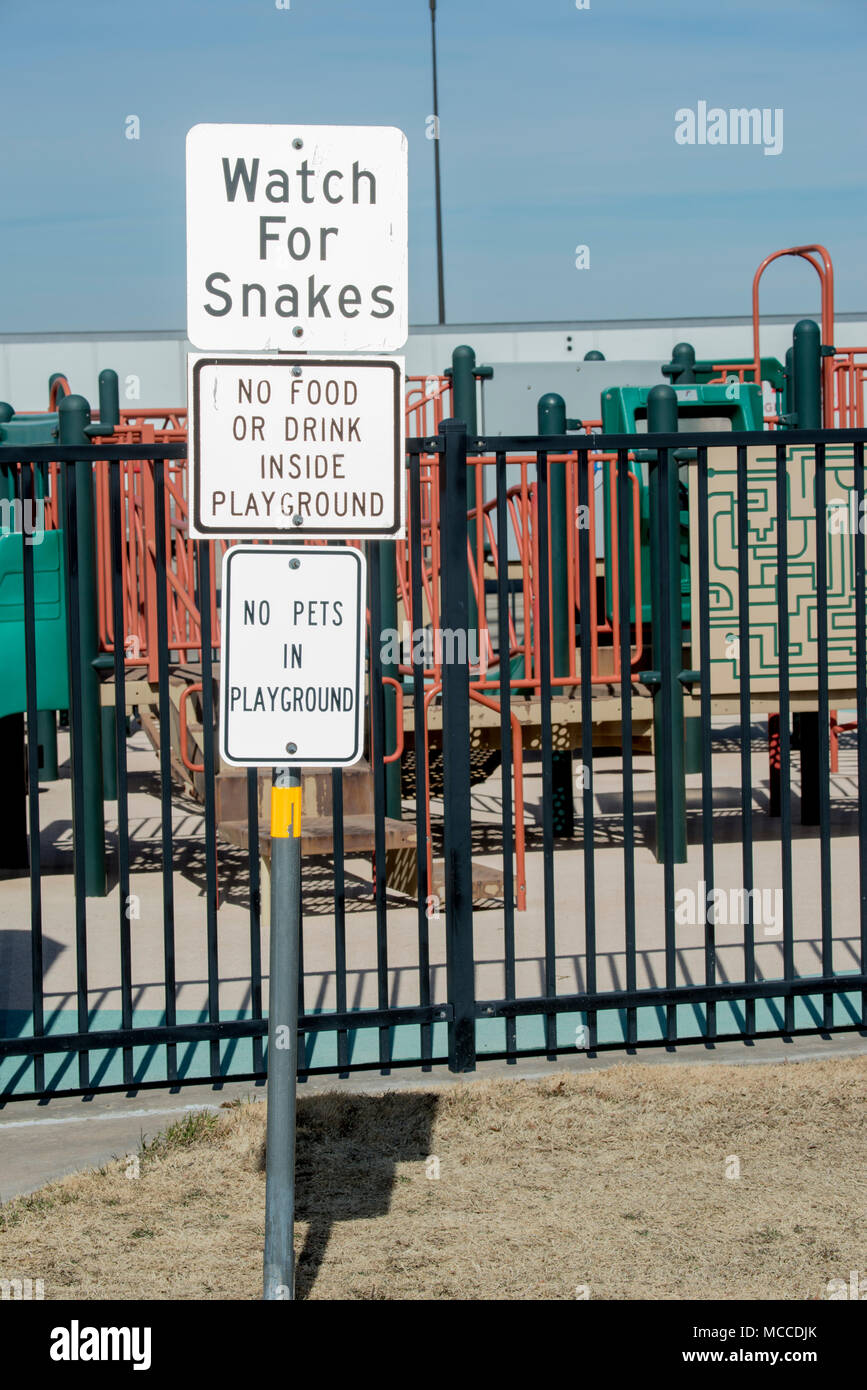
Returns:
(464,387)
(73,414)
(551,413)
(681,368)
(807,371)
(109,398)
(662,410)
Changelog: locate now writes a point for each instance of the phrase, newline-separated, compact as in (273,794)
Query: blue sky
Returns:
(557,130)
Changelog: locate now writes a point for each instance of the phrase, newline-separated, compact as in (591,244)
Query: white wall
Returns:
(157,360)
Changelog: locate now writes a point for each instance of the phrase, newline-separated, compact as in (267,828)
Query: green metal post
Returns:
(13,807)
(551,415)
(46,719)
(666,608)
(46,733)
(109,400)
(388,623)
(807,374)
(788,388)
(108,735)
(464,390)
(681,368)
(807,387)
(7,473)
(74,417)
(464,408)
(692,744)
(109,419)
(13,811)
(284,956)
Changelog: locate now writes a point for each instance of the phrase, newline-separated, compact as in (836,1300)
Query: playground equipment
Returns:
(588,640)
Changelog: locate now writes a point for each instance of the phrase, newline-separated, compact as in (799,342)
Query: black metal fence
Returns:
(160,981)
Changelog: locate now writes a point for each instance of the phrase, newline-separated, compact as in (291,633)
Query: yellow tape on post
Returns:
(285,812)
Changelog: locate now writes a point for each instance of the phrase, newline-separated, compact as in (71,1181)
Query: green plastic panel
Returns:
(715,409)
(52,681)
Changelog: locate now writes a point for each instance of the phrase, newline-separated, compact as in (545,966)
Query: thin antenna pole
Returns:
(439,210)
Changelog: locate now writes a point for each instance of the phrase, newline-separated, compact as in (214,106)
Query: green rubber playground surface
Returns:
(320,1049)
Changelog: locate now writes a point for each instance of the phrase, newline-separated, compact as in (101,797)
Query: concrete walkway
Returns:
(146,909)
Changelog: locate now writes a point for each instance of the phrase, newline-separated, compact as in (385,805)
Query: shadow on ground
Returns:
(348,1149)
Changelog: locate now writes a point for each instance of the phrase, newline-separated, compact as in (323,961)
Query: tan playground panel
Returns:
(726,557)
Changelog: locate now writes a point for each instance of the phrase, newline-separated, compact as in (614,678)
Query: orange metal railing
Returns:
(844,374)
(848,387)
(487,551)
(427,402)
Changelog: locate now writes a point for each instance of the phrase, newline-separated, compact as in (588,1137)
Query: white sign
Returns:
(297,238)
(292,678)
(304,446)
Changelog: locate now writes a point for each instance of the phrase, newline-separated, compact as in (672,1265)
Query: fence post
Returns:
(807,394)
(73,413)
(551,416)
(109,418)
(46,733)
(458,865)
(668,744)
(464,374)
(46,719)
(386,621)
(13,812)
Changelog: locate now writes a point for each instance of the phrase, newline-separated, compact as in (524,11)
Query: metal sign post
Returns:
(283,1033)
(292,695)
(296,240)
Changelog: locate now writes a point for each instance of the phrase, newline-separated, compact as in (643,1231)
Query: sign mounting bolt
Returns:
(297,521)
(297,332)
(297,144)
(291,748)
(296,371)
(294,564)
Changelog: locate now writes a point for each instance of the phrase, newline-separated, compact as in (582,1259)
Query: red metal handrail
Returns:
(194,689)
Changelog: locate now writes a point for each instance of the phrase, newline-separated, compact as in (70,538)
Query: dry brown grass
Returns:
(616,1180)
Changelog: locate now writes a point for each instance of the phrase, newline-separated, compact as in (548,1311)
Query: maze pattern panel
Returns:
(761,559)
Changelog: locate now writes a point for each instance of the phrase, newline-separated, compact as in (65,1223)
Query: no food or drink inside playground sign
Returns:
(303,447)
